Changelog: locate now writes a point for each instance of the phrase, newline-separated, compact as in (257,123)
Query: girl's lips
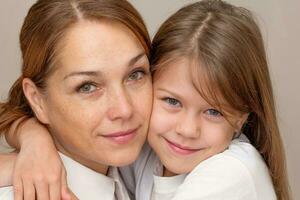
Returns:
(121,137)
(180,149)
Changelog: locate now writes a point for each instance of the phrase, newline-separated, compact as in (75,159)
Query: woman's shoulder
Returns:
(6,193)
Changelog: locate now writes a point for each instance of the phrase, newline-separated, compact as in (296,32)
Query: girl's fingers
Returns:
(65,195)
(72,195)
(55,190)
(42,191)
(18,189)
(29,191)
(7,162)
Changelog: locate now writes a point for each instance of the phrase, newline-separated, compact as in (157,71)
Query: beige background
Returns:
(279,20)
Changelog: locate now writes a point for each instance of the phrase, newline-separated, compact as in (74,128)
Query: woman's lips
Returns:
(180,149)
(121,137)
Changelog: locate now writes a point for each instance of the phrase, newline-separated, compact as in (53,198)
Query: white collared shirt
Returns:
(86,184)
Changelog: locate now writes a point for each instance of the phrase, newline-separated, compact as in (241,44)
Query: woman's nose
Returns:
(120,105)
(188,126)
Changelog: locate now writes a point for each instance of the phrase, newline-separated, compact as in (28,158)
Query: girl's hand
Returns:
(7,161)
(38,172)
(72,195)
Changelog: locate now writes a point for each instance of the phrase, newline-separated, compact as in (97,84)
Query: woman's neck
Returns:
(98,167)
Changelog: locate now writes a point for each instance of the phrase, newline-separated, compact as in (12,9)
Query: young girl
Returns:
(88,57)
(213,124)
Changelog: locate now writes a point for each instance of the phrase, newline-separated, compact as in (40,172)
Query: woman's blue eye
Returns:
(137,75)
(172,102)
(214,113)
(87,88)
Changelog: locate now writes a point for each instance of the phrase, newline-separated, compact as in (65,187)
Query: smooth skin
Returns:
(184,128)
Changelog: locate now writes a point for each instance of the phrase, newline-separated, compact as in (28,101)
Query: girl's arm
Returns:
(7,161)
(237,173)
(38,169)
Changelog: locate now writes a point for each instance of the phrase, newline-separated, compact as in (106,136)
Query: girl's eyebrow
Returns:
(170,92)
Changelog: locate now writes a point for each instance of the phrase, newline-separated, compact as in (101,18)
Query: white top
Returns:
(4,146)
(86,183)
(238,173)
(166,187)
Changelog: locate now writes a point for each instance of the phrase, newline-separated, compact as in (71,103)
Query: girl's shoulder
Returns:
(244,155)
(239,156)
(6,193)
(237,173)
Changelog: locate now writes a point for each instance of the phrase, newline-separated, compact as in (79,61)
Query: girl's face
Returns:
(98,102)
(184,128)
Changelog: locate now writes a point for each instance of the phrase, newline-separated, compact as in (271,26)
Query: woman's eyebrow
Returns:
(133,60)
(84,73)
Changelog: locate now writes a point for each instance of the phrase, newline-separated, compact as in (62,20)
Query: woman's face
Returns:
(98,100)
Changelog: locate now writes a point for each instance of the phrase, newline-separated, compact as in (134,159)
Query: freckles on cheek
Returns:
(72,113)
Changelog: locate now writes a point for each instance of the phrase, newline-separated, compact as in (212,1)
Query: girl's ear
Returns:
(241,121)
(36,100)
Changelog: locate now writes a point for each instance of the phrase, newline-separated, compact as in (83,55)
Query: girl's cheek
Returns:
(157,119)
(161,121)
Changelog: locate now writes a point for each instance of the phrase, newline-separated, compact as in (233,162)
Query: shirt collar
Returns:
(86,183)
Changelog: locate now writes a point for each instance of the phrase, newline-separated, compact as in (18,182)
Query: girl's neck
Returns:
(167,173)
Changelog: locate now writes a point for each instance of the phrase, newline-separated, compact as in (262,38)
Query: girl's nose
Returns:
(188,126)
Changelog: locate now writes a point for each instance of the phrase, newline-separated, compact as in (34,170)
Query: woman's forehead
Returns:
(91,45)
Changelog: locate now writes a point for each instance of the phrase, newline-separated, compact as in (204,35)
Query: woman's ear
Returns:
(36,100)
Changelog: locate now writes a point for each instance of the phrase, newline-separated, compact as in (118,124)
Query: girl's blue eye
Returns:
(173,102)
(137,75)
(87,88)
(214,113)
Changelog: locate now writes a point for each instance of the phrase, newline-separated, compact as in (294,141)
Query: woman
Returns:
(85,71)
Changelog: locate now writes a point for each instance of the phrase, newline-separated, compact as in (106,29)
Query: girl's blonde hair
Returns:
(44,28)
(228,46)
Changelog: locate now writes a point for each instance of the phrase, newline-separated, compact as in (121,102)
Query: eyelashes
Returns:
(172,102)
(213,113)
(90,86)
(138,74)
(87,87)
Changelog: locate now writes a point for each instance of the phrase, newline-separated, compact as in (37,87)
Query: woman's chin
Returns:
(124,159)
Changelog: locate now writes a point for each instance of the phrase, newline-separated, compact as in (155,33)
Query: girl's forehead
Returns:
(187,67)
(180,73)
